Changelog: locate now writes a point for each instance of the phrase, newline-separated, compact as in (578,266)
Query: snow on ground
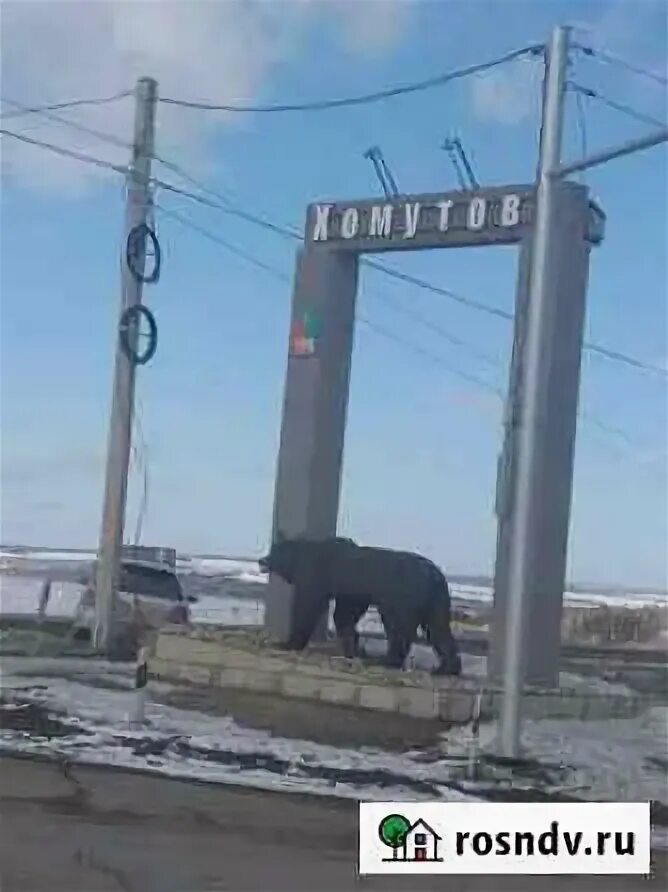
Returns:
(616,759)
(607,760)
(191,744)
(248,571)
(19,594)
(42,556)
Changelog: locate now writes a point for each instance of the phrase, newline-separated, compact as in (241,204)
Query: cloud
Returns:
(209,51)
(373,26)
(510,93)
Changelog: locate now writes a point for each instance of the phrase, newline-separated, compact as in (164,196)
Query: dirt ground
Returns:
(83,829)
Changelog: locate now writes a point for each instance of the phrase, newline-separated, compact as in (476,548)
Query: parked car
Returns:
(146,590)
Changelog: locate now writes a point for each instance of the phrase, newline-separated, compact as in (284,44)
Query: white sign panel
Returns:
(423,221)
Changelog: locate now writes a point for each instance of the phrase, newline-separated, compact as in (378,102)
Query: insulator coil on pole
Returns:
(135,253)
(129,321)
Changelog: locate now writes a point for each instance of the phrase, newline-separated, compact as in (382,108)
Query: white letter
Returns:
(476,215)
(321,222)
(381,220)
(445,214)
(412,216)
(510,210)
(350,223)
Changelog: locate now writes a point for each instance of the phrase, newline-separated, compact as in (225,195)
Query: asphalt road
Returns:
(99,829)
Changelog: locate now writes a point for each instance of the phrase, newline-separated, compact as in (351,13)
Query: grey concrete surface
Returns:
(88,829)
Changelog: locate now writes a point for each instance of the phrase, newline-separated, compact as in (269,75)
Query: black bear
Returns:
(408,590)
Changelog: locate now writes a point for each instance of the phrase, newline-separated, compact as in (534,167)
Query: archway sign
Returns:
(316,391)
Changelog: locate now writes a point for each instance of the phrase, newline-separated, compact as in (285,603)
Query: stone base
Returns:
(229,658)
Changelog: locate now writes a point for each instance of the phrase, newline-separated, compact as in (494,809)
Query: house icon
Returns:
(419,842)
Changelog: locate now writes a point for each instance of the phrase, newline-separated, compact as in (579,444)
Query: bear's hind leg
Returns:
(400,631)
(347,614)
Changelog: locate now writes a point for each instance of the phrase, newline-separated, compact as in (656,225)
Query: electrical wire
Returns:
(70,104)
(427,354)
(438,289)
(280,275)
(227,207)
(481,383)
(112,140)
(106,137)
(613,59)
(286,278)
(416,281)
(624,359)
(323,104)
(617,106)
(232,248)
(67,153)
(410,313)
(291,233)
(180,171)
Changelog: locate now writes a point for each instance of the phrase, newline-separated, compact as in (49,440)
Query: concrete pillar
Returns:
(551,487)
(308,478)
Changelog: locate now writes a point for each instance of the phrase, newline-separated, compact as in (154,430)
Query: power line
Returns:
(280,275)
(626,360)
(437,289)
(289,232)
(227,207)
(323,104)
(283,277)
(427,354)
(614,355)
(617,106)
(110,138)
(106,137)
(609,429)
(413,314)
(180,171)
(67,153)
(613,59)
(418,282)
(59,105)
(232,248)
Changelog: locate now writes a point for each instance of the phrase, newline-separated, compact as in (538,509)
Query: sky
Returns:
(422,442)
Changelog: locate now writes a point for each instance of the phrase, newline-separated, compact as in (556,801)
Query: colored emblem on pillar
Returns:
(304,334)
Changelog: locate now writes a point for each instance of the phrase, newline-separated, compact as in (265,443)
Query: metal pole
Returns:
(627,148)
(537,320)
(120,428)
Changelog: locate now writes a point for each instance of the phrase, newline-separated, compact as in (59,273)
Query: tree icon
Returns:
(392,831)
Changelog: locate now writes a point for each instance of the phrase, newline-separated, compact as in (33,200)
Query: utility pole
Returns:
(122,408)
(536,357)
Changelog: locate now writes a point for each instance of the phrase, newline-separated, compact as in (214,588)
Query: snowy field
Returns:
(229,591)
(88,711)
